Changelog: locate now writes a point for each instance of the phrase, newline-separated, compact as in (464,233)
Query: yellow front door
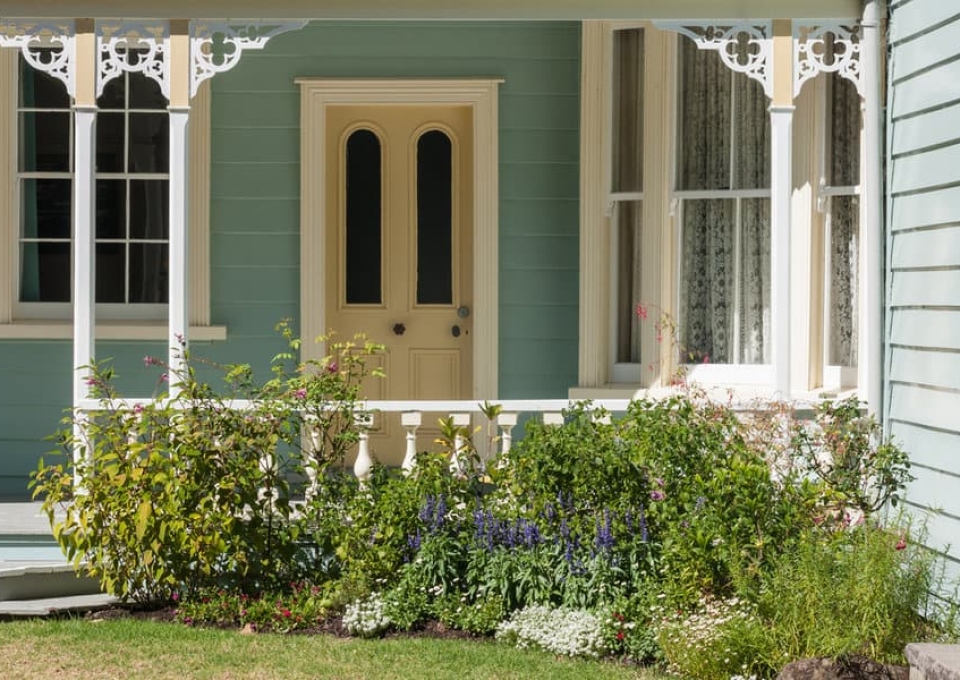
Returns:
(399,229)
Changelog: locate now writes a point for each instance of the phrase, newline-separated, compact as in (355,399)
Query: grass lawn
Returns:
(127,648)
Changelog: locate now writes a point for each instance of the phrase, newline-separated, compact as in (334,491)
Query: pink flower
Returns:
(332,367)
(301,393)
(164,377)
(150,361)
(286,613)
(706,358)
(619,634)
(901,544)
(641,311)
(657,495)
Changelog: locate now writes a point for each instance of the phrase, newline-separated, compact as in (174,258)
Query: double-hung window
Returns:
(723,212)
(686,218)
(132,233)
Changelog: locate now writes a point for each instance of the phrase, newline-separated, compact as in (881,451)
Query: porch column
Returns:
(870,350)
(781,187)
(179,110)
(84,217)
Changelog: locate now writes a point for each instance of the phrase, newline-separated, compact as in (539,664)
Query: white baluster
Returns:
(553,419)
(133,423)
(310,464)
(460,421)
(506,422)
(364,463)
(411,421)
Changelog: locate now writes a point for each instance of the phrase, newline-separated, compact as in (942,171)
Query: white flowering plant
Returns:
(366,617)
(563,631)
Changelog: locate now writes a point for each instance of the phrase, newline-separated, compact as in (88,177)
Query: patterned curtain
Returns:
(725,243)
(844,217)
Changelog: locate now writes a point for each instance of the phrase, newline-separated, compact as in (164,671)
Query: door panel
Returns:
(399,267)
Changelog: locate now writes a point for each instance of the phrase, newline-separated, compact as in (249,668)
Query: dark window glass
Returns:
(111,209)
(364,233)
(149,209)
(44,142)
(45,208)
(45,272)
(434,219)
(111,272)
(111,133)
(148,272)
(40,90)
(149,145)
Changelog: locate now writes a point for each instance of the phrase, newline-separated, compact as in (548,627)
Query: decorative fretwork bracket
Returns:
(48,45)
(133,47)
(216,46)
(139,46)
(826,47)
(743,47)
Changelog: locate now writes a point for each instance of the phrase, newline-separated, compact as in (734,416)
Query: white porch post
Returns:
(178,256)
(178,320)
(84,223)
(781,188)
(870,350)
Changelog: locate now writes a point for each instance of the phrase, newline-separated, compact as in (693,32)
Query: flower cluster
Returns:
(568,632)
(366,617)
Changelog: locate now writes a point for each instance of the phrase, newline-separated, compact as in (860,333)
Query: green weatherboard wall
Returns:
(255,184)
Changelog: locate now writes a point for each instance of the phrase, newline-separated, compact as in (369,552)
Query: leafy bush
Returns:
(188,493)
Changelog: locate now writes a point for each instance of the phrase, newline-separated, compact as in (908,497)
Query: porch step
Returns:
(930,661)
(50,606)
(43,580)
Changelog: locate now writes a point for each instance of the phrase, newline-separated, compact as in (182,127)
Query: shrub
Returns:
(189,493)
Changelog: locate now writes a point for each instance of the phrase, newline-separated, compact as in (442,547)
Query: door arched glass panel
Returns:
(434,219)
(364,233)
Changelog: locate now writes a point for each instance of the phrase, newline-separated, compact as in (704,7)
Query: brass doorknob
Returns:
(399,329)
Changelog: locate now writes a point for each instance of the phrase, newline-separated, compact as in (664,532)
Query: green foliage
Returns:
(190,493)
(298,607)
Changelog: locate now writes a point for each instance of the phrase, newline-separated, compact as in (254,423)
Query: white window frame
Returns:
(599,375)
(120,322)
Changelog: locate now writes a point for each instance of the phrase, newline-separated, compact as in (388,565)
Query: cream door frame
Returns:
(481,94)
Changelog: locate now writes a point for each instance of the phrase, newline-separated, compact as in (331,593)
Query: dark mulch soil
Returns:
(332,626)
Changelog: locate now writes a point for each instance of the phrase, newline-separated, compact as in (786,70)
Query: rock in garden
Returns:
(852,667)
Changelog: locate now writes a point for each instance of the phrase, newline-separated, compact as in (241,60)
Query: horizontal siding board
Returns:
(925,367)
(267,145)
(267,284)
(929,129)
(917,16)
(236,215)
(925,288)
(541,180)
(254,250)
(538,252)
(524,216)
(931,248)
(930,169)
(929,328)
(932,448)
(927,90)
(543,286)
(941,206)
(935,46)
(538,146)
(935,490)
(924,406)
(540,322)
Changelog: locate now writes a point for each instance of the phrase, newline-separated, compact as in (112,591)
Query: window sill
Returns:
(106,330)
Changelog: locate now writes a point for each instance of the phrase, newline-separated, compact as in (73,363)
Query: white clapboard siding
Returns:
(928,208)
(940,287)
(928,407)
(930,169)
(915,17)
(934,128)
(929,248)
(936,449)
(925,367)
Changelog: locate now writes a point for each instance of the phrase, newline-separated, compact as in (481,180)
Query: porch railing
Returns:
(410,414)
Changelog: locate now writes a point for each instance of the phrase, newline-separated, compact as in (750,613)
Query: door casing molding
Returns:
(481,95)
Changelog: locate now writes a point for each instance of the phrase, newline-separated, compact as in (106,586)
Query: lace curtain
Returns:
(844,215)
(725,244)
